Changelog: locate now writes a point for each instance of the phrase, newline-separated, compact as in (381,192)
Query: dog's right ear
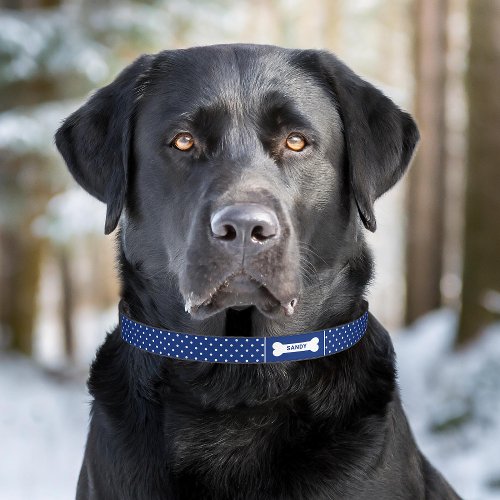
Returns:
(95,140)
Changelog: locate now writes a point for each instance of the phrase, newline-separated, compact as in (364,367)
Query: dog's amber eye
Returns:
(183,141)
(295,142)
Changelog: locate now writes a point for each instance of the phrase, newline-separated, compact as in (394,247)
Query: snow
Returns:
(31,45)
(27,130)
(452,400)
(71,214)
(491,301)
(43,425)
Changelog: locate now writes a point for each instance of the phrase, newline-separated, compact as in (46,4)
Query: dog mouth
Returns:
(238,291)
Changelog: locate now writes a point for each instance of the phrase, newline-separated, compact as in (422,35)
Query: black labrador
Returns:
(242,177)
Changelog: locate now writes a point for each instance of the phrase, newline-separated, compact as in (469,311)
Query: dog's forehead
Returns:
(238,76)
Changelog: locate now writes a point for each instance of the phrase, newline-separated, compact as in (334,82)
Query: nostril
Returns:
(259,235)
(225,232)
(230,233)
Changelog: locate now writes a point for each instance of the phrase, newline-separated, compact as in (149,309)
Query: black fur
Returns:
(330,428)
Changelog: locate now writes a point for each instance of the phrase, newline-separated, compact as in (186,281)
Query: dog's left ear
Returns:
(95,140)
(380,138)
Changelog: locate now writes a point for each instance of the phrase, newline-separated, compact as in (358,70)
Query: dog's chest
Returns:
(251,455)
(226,440)
(221,445)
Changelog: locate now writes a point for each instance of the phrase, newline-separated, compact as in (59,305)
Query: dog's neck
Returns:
(226,388)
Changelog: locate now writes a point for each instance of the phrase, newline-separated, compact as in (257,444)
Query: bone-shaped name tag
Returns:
(312,345)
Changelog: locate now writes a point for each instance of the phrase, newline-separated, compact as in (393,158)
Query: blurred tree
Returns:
(52,52)
(67,301)
(43,60)
(21,251)
(481,271)
(425,226)
(24,181)
(332,27)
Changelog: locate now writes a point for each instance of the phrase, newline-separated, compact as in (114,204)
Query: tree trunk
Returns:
(333,25)
(22,255)
(481,272)
(425,229)
(67,301)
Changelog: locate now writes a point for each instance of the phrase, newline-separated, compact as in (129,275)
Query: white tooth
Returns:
(290,307)
(190,302)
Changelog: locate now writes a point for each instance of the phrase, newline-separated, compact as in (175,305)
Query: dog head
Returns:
(238,170)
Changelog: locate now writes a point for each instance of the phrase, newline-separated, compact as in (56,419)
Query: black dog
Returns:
(240,175)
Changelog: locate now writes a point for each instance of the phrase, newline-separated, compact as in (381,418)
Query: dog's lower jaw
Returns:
(268,306)
(242,289)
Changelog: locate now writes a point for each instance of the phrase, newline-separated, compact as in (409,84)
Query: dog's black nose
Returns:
(245,225)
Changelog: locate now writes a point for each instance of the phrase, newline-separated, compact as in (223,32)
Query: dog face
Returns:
(233,164)
(237,197)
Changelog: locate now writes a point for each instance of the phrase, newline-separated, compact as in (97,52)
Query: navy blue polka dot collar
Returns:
(243,350)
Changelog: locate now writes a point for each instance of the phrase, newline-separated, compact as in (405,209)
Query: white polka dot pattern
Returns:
(193,347)
(342,337)
(243,350)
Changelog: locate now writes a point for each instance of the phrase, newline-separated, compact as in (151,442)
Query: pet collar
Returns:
(243,350)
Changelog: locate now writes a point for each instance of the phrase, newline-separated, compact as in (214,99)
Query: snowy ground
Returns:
(43,423)
(453,402)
